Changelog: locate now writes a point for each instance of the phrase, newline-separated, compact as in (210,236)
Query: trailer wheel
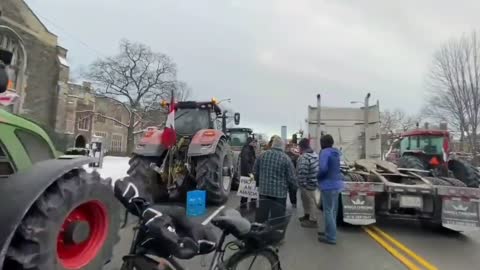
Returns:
(454,182)
(465,172)
(214,174)
(141,172)
(77,218)
(437,181)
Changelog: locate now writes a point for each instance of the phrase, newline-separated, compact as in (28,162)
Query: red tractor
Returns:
(200,159)
(429,150)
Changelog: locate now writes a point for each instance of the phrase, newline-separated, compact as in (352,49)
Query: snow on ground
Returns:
(113,167)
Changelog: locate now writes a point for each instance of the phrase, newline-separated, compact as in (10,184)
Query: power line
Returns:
(97,52)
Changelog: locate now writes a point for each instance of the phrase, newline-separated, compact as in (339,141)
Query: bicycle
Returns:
(163,233)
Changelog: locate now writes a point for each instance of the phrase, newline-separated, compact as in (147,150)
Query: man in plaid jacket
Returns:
(274,173)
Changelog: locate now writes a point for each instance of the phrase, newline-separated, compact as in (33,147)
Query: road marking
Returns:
(209,218)
(403,248)
(395,253)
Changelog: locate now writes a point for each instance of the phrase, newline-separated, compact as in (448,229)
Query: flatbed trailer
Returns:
(379,190)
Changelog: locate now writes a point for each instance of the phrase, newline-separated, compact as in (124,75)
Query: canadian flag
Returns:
(445,148)
(169,137)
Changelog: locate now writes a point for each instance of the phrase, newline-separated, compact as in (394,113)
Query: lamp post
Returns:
(365,122)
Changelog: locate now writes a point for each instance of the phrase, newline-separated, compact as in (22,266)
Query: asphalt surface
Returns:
(357,249)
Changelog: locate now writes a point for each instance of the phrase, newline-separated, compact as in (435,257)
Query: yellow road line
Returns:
(403,248)
(395,253)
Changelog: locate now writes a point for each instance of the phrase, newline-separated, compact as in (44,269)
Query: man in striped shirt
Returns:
(307,170)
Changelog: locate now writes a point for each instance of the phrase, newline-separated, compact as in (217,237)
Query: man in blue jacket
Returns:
(330,182)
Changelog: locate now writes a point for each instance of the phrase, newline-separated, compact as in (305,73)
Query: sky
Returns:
(272,57)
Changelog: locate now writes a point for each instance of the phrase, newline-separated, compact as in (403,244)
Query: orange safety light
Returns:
(10,84)
(214,100)
(164,103)
(434,161)
(209,133)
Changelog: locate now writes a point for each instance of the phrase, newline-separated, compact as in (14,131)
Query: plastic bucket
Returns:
(196,203)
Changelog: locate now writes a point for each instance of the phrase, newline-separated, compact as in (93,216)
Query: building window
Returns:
(35,146)
(99,117)
(84,122)
(118,117)
(101,134)
(116,143)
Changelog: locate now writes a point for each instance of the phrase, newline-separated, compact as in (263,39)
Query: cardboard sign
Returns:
(247,188)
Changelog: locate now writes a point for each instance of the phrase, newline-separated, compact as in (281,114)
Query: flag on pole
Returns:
(169,137)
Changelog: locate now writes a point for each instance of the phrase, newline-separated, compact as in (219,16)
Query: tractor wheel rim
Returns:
(77,255)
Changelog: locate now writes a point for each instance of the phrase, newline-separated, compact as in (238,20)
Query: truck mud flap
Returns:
(460,208)
(358,200)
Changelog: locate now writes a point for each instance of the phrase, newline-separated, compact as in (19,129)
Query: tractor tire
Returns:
(354,177)
(74,224)
(209,174)
(147,179)
(454,182)
(464,172)
(411,162)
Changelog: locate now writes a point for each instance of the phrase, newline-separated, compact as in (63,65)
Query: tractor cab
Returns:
(193,116)
(432,146)
(238,137)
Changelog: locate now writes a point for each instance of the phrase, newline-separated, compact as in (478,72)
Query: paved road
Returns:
(357,249)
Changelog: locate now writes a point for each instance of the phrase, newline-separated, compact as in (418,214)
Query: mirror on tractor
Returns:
(236,118)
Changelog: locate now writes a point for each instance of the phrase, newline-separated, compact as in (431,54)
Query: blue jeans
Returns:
(330,209)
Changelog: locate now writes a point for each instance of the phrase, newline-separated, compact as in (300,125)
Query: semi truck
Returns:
(376,189)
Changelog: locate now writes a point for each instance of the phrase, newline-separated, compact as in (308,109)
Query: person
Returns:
(274,172)
(247,161)
(293,153)
(307,170)
(330,181)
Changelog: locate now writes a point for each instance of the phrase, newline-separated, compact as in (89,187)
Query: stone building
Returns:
(40,75)
(37,86)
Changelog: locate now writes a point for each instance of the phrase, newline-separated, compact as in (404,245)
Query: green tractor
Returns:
(55,214)
(429,150)
(237,138)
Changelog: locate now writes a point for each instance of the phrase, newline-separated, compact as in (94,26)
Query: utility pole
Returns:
(365,125)
(319,122)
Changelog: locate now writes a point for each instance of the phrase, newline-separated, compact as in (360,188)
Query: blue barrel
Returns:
(196,203)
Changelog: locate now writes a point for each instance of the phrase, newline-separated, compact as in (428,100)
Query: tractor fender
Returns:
(150,145)
(204,142)
(21,190)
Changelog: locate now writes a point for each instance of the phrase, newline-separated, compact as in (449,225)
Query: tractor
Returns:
(201,158)
(55,214)
(237,139)
(429,150)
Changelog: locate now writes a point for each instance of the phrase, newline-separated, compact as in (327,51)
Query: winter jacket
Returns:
(247,160)
(329,174)
(275,173)
(307,170)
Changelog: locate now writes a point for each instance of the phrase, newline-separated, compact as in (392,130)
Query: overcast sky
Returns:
(272,57)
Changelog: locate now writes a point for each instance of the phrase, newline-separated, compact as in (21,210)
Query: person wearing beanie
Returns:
(247,161)
(330,182)
(274,173)
(307,170)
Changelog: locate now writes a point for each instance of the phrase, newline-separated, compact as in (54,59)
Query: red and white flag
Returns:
(169,136)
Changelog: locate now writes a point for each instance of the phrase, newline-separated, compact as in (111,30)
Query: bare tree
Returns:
(454,85)
(394,122)
(136,78)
